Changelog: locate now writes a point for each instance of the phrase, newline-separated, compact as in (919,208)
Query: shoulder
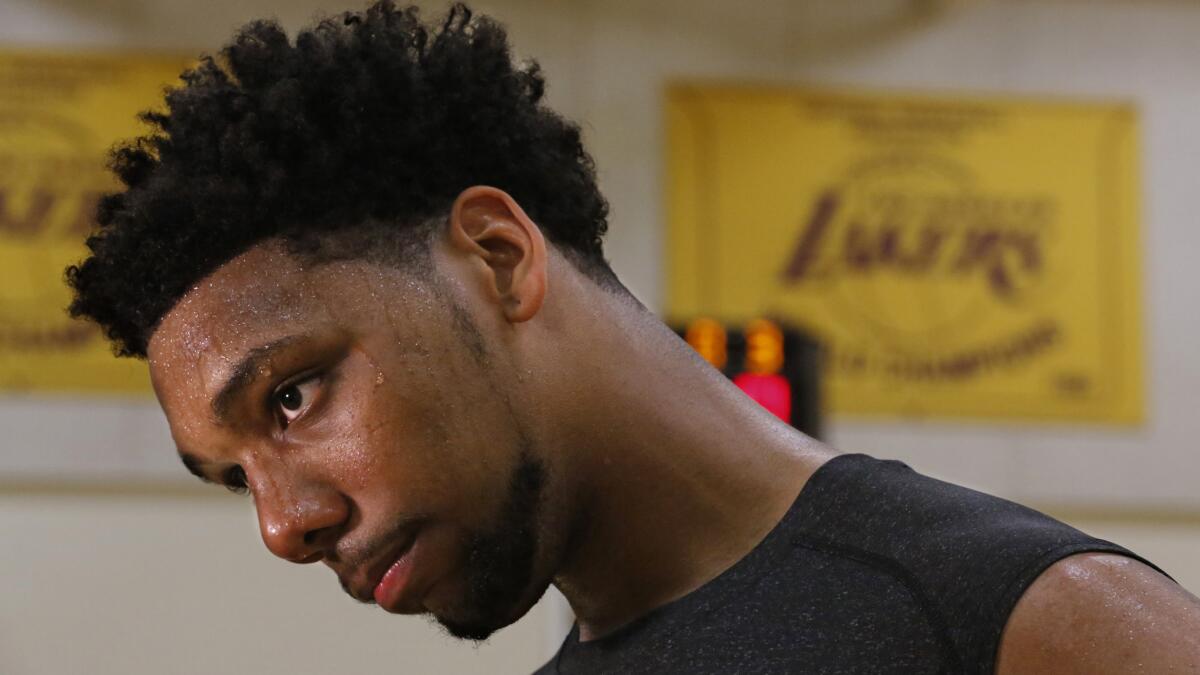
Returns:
(886,507)
(1101,613)
(992,572)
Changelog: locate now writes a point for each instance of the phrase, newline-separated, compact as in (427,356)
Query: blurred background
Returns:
(718,128)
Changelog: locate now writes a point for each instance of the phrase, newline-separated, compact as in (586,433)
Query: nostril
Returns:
(313,537)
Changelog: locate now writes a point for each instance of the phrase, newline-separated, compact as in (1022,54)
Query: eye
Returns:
(292,399)
(234,480)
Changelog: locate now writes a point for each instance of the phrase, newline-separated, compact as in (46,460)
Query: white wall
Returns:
(175,584)
(163,580)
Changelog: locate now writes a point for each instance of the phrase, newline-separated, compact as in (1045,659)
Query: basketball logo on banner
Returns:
(59,115)
(962,257)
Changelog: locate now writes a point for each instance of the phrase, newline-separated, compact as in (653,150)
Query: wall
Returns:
(1137,486)
(137,577)
(180,583)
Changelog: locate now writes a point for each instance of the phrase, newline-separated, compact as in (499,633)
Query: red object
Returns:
(772,391)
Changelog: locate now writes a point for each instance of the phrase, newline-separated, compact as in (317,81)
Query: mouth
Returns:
(366,589)
(392,586)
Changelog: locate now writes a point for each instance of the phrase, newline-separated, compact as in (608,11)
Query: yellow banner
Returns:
(59,115)
(959,256)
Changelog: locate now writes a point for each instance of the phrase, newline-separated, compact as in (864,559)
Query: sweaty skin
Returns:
(660,474)
(1097,613)
(374,408)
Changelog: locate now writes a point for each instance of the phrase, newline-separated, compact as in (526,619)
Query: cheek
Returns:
(349,457)
(383,447)
(343,441)
(444,445)
(475,444)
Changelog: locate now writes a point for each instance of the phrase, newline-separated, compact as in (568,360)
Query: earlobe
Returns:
(487,224)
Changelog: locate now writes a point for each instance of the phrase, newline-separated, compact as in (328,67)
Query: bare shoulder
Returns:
(1100,613)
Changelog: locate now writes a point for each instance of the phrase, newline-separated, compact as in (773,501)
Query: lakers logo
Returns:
(912,254)
(49,185)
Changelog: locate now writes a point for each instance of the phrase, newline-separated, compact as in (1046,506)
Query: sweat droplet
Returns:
(378,378)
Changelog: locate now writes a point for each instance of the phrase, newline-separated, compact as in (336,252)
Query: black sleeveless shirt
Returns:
(874,569)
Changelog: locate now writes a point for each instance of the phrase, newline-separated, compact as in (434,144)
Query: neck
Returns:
(680,474)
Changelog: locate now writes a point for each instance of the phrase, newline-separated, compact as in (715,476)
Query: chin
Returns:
(468,630)
(479,623)
(498,582)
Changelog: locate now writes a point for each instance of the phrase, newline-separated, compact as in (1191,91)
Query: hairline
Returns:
(311,248)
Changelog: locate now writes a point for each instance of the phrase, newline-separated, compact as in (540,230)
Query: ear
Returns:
(487,224)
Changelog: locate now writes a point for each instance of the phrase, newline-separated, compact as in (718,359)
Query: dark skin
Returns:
(367,419)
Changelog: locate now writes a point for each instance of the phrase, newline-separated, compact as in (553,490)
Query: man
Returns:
(365,268)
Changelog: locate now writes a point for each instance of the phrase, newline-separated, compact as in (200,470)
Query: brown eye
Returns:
(291,400)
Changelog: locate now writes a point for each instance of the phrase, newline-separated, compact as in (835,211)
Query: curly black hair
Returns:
(367,118)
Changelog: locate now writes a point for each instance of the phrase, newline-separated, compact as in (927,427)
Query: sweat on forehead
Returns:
(257,287)
(261,294)
(268,292)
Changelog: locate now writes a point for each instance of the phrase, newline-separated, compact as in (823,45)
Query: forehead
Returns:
(261,296)
(253,295)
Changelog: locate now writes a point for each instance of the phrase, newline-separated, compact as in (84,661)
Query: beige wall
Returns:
(154,584)
(167,581)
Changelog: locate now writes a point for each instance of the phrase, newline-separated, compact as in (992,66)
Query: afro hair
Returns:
(367,118)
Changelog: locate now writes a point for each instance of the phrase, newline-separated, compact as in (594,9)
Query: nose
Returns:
(299,523)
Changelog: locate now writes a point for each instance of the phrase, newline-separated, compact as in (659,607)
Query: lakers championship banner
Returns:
(59,115)
(957,256)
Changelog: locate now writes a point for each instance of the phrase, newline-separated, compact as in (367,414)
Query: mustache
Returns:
(360,557)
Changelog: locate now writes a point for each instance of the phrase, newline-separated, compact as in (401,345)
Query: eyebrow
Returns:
(244,374)
(192,464)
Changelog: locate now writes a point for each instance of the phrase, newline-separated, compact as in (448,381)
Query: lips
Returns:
(390,592)
(360,581)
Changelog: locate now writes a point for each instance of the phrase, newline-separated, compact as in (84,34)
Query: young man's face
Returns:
(371,421)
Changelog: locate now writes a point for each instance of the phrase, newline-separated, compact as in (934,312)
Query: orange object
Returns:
(764,347)
(708,338)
